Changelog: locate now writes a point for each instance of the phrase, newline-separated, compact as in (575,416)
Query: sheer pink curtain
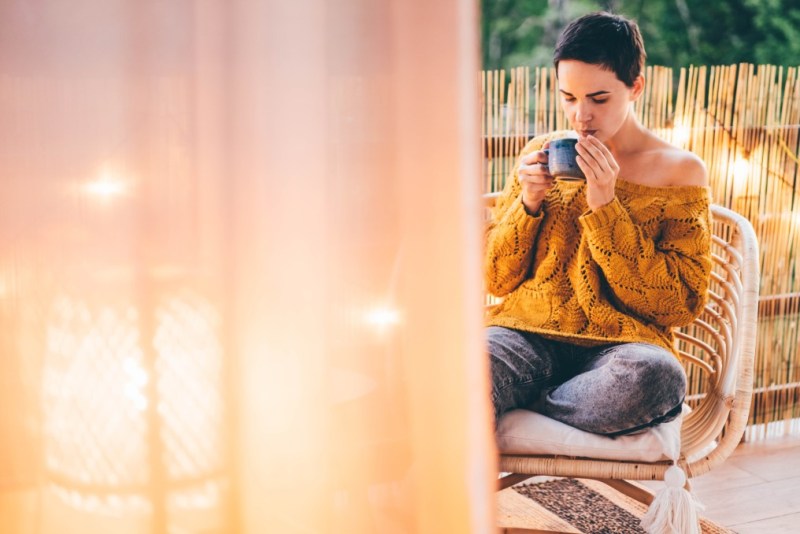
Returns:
(239,268)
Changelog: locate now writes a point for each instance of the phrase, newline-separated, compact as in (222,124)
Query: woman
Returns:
(595,275)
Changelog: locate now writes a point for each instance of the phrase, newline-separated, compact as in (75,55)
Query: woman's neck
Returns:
(631,137)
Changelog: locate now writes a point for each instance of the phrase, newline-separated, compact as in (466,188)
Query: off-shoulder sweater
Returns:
(629,271)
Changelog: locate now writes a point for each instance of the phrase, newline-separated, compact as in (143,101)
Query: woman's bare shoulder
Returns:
(673,167)
(688,168)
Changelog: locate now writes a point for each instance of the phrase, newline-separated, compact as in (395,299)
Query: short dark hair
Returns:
(611,41)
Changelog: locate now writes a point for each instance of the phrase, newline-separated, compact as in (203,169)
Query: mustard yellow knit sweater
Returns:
(629,271)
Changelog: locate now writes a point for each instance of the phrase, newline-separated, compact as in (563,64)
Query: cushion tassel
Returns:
(674,509)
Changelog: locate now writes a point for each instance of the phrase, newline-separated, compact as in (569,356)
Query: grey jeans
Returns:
(610,389)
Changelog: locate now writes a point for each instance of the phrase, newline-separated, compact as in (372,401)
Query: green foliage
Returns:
(677,33)
(778,21)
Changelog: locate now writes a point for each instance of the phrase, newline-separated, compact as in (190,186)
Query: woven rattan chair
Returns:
(720,344)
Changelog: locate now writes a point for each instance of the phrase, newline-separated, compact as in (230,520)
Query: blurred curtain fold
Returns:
(239,268)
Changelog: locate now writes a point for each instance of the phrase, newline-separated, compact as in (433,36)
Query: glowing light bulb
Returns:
(108,184)
(796,222)
(382,317)
(681,134)
(741,175)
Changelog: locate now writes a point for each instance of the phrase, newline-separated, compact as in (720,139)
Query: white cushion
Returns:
(526,432)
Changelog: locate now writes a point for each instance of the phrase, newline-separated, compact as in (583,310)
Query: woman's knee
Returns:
(629,387)
(660,373)
(658,385)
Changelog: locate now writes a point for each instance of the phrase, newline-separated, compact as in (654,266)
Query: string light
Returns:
(681,134)
(382,317)
(110,183)
(741,174)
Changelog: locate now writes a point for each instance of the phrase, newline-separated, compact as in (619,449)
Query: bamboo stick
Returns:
(487,134)
(542,101)
(679,115)
(527,101)
(519,111)
(505,110)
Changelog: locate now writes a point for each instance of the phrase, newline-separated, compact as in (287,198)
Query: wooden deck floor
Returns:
(757,490)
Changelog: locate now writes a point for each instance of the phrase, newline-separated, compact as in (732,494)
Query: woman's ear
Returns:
(638,87)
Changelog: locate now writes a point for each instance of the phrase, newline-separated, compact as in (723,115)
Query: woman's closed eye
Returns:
(595,100)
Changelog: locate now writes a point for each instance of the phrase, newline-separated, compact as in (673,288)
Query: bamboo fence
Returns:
(743,121)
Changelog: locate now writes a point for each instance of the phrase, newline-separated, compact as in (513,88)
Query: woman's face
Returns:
(595,101)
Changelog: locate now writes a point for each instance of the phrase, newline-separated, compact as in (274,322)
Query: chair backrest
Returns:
(718,348)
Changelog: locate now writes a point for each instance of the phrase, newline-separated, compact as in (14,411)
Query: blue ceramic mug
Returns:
(561,160)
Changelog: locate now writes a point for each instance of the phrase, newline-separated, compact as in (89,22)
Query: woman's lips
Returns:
(584,133)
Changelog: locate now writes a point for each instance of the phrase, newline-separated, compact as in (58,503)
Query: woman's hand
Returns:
(601,170)
(534,179)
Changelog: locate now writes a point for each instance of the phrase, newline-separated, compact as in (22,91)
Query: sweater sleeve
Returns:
(510,236)
(664,281)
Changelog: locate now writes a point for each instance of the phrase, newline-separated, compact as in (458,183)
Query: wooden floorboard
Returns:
(756,490)
(782,524)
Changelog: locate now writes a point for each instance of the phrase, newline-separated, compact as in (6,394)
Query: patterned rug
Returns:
(575,506)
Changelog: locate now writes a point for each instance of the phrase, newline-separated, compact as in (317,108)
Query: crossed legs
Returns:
(610,389)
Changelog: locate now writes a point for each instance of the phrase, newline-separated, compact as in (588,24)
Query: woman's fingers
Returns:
(596,158)
(537,156)
(587,168)
(534,178)
(533,167)
(601,170)
(591,155)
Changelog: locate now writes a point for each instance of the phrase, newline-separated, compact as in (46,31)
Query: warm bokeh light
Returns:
(742,176)
(381,318)
(96,399)
(681,135)
(110,183)
(90,406)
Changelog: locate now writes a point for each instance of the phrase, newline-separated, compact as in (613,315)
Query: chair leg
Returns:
(510,479)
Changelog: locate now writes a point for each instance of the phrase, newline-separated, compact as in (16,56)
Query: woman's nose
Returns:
(582,114)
